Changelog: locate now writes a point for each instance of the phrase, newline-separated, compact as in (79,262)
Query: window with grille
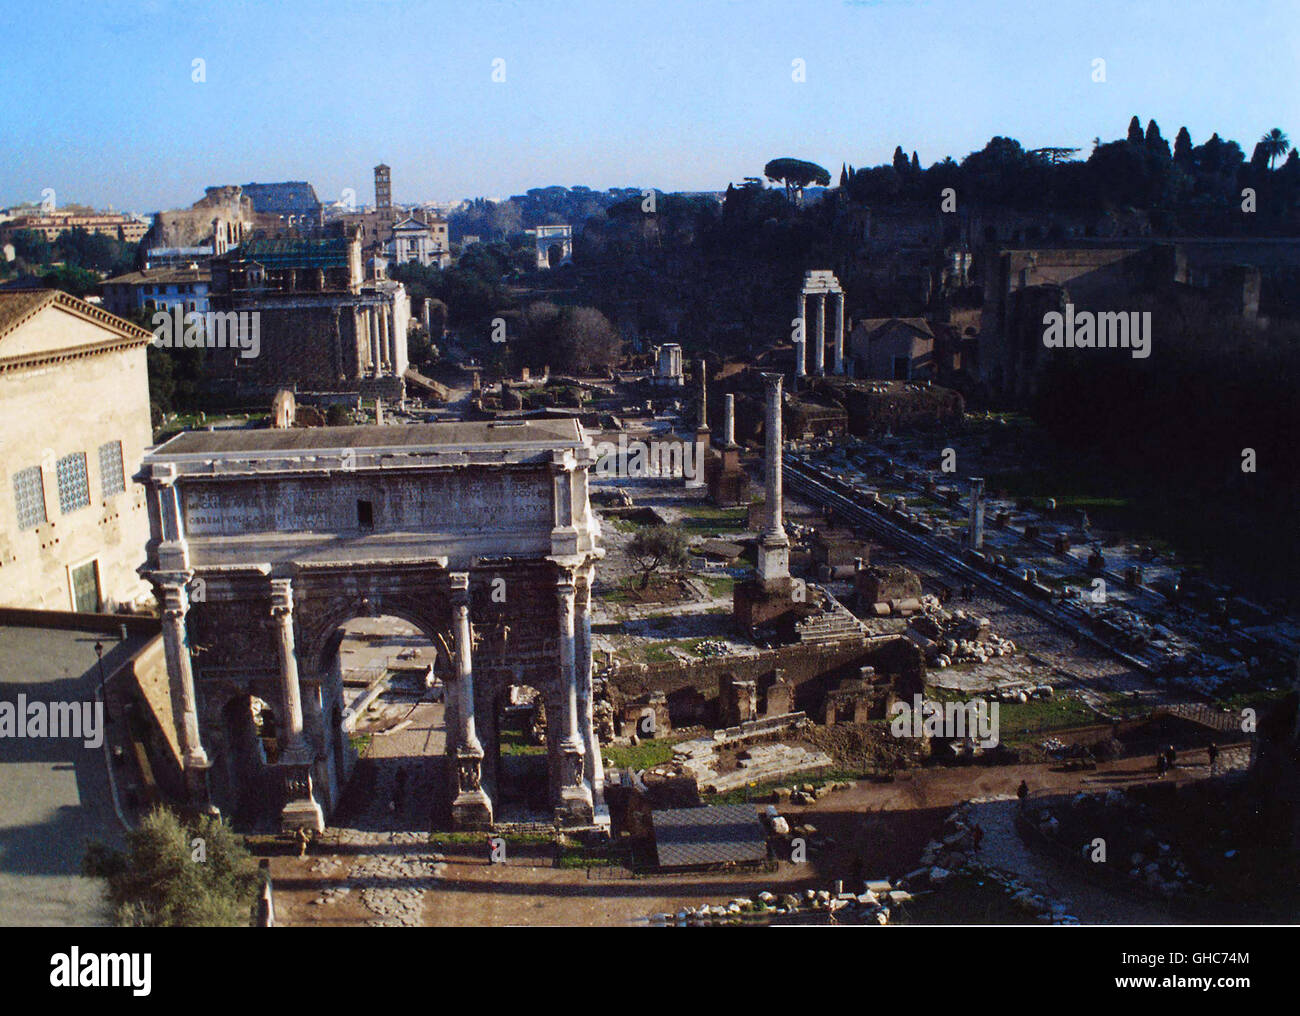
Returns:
(74,489)
(112,477)
(29,495)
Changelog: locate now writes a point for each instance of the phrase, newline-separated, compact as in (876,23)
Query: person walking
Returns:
(1022,792)
(1213,754)
(1162,765)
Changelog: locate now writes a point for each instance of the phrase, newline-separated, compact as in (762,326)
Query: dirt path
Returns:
(878,829)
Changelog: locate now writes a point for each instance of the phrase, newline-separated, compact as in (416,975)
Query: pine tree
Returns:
(1135,135)
(1183,146)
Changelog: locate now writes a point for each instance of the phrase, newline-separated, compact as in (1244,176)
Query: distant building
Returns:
(553,245)
(321,325)
(51,225)
(294,203)
(896,349)
(417,234)
(158,289)
(74,426)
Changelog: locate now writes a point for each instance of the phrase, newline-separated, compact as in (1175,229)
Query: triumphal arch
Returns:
(265,542)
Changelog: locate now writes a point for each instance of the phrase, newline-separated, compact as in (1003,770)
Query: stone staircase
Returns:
(835,624)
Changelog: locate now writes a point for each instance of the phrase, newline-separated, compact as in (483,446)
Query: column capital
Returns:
(459,585)
(174,596)
(281,597)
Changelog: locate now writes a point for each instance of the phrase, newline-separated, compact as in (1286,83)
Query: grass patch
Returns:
(1027,721)
(646,754)
(361,743)
(514,742)
(719,585)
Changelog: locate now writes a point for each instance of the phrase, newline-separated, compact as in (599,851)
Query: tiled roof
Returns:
(16,307)
(161,275)
(691,837)
(20,306)
(291,252)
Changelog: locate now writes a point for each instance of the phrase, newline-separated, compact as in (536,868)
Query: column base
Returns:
(575,807)
(302,814)
(471,810)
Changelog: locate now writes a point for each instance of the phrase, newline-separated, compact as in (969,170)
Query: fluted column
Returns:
(839,332)
(819,334)
(295,747)
(180,671)
(471,807)
(575,806)
(467,733)
(595,767)
(300,809)
(773,544)
(801,346)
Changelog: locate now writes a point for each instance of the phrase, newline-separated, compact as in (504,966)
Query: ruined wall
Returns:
(810,670)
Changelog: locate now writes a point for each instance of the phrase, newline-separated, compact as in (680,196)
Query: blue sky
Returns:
(97,99)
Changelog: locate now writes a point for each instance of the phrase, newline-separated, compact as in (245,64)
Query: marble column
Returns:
(819,334)
(839,332)
(180,671)
(294,747)
(801,344)
(976,512)
(595,767)
(729,422)
(471,808)
(385,341)
(773,544)
(301,810)
(575,806)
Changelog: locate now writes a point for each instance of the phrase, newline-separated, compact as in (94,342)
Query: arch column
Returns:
(471,808)
(180,673)
(301,809)
(595,769)
(575,806)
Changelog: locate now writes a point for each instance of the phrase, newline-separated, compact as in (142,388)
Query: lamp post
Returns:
(103,687)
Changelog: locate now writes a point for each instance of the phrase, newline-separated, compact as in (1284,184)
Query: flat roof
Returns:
(720,834)
(557,432)
(55,794)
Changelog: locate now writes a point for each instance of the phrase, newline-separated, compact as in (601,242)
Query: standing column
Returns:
(819,334)
(575,804)
(301,809)
(729,421)
(290,690)
(773,544)
(471,808)
(180,671)
(595,768)
(801,346)
(839,332)
(976,512)
(372,324)
(385,351)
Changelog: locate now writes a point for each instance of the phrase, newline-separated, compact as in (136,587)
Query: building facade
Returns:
(74,427)
(158,289)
